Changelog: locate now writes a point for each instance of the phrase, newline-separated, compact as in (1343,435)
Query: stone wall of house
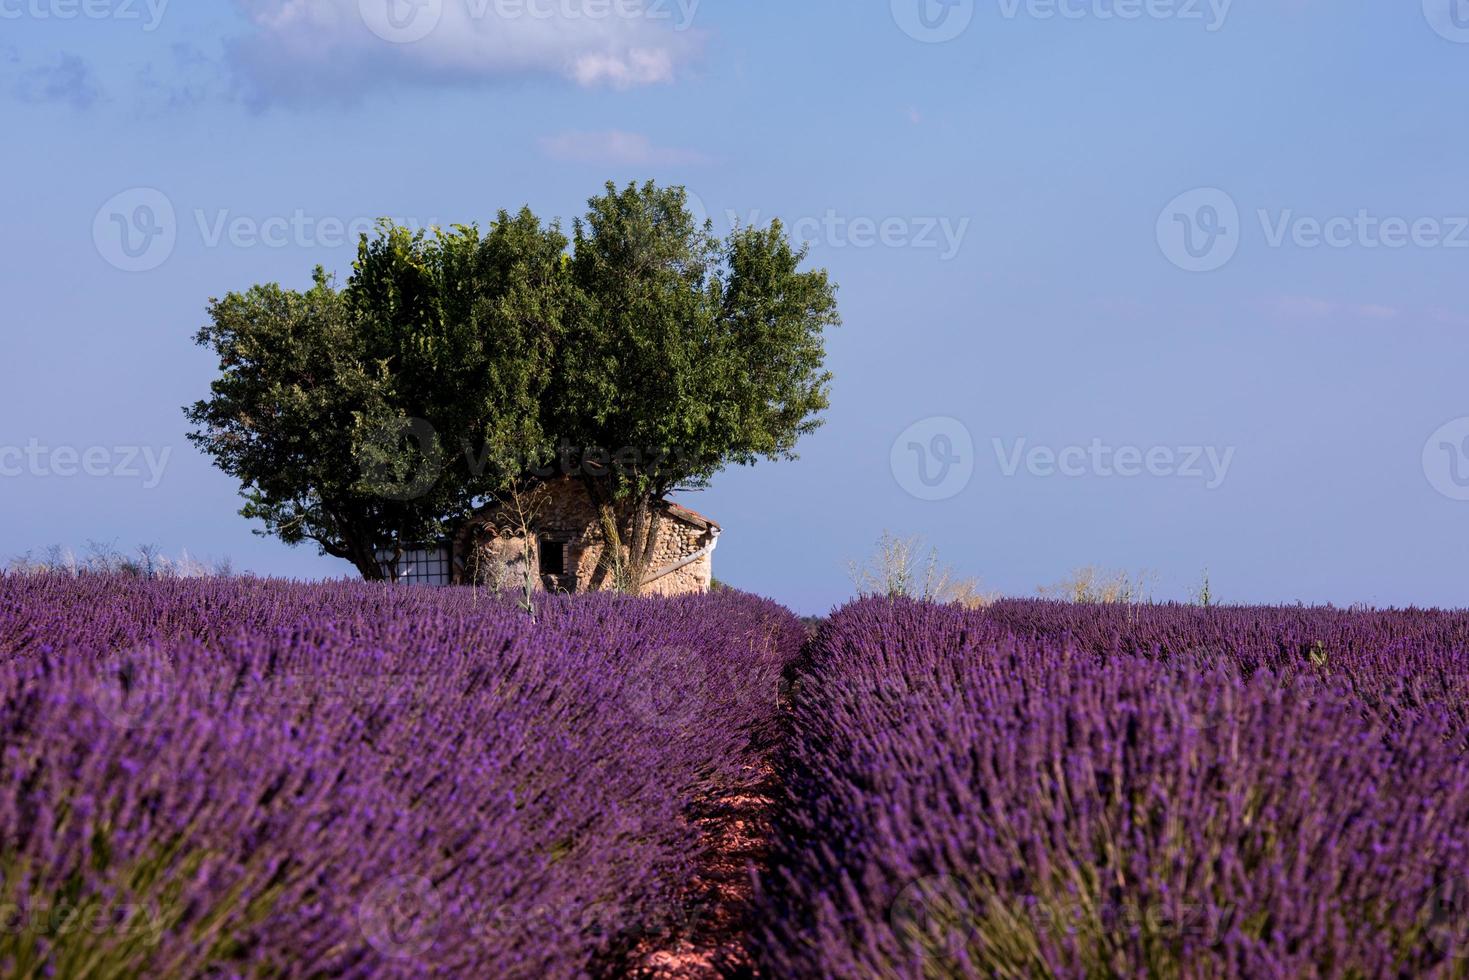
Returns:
(491,548)
(676,540)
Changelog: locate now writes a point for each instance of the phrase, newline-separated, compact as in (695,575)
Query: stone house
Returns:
(565,547)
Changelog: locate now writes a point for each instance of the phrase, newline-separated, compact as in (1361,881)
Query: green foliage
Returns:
(379,413)
(455,367)
(683,354)
(708,351)
(73,930)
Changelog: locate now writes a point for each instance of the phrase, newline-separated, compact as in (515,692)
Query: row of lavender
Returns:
(236,777)
(1050,790)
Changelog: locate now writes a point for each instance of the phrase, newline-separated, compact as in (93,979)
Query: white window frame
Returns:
(421,564)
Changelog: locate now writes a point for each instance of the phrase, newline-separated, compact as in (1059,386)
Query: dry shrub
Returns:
(902,568)
(1090,584)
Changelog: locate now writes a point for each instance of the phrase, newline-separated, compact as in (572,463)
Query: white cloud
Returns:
(1312,307)
(1374,311)
(640,66)
(615,147)
(1303,306)
(297,50)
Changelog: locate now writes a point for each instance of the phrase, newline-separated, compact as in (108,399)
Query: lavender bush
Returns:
(1045,790)
(1400,663)
(259,778)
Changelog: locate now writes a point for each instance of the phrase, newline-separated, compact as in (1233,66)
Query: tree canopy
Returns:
(641,356)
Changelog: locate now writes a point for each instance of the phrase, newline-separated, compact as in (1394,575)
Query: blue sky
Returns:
(1148,284)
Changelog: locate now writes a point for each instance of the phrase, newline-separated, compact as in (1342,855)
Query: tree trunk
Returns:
(609,563)
(629,536)
(351,547)
(364,558)
(643,541)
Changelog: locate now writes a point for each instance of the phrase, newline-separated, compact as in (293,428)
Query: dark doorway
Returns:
(553,557)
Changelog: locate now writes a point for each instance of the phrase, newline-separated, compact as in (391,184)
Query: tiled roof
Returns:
(687,515)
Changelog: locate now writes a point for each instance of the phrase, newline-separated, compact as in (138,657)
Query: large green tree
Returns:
(454,367)
(682,354)
(380,413)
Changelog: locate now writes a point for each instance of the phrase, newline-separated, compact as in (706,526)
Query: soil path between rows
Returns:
(736,829)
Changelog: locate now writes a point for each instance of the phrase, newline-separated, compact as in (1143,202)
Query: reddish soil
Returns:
(736,829)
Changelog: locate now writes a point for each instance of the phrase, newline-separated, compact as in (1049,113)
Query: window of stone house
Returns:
(553,556)
(420,564)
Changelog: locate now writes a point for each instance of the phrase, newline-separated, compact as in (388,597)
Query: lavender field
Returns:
(1042,789)
(253,778)
(244,778)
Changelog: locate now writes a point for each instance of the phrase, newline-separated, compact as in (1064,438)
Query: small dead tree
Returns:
(902,568)
(1204,594)
(1092,585)
(522,507)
